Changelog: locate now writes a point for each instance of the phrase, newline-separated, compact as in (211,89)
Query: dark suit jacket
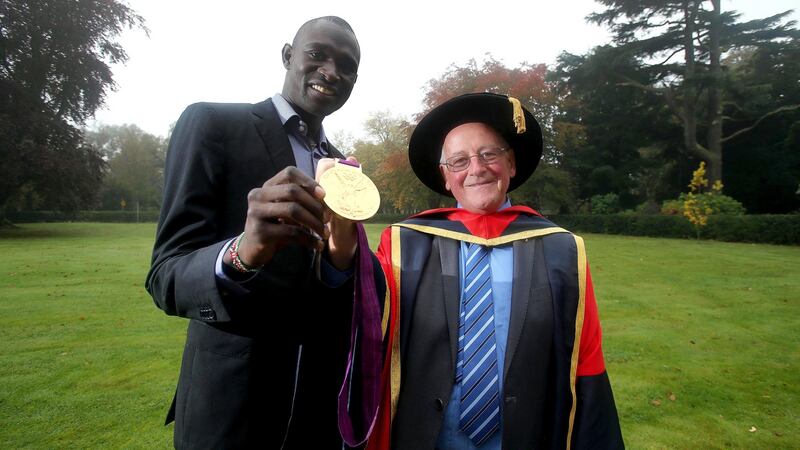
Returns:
(258,369)
(536,398)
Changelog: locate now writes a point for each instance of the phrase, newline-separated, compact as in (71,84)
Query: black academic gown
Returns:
(550,400)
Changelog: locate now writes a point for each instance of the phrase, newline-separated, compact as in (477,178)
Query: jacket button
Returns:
(208,314)
(438,404)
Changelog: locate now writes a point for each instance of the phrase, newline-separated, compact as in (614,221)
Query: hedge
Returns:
(767,229)
(83,216)
(130,216)
(387,218)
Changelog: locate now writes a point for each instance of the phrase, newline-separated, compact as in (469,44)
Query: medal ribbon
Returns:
(366,343)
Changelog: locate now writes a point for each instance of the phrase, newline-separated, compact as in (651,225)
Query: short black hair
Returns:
(333,19)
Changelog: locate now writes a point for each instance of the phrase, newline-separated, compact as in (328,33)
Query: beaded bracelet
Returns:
(240,266)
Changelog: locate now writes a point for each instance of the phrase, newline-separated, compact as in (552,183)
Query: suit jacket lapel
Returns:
(334,152)
(520,296)
(268,124)
(448,254)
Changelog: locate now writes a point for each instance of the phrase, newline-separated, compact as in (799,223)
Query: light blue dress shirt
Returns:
(501,261)
(306,151)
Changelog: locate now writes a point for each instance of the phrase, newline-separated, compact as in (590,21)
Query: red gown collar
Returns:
(487,226)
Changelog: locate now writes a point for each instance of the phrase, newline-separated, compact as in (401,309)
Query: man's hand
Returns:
(287,209)
(343,239)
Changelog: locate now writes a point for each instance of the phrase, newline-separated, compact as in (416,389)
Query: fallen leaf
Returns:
(672,397)
(655,402)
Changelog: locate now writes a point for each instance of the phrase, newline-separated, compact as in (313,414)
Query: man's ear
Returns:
(442,170)
(286,55)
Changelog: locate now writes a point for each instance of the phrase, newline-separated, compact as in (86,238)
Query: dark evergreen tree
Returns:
(55,58)
(763,158)
(681,43)
(628,140)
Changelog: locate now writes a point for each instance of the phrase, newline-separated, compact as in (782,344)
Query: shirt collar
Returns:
(506,204)
(287,115)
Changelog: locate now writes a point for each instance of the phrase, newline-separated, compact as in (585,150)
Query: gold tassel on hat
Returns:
(519,115)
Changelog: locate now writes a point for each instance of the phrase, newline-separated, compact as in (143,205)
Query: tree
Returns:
(527,83)
(58,171)
(614,139)
(655,32)
(763,161)
(135,170)
(54,75)
(384,157)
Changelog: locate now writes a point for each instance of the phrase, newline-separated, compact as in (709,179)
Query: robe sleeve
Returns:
(596,420)
(590,357)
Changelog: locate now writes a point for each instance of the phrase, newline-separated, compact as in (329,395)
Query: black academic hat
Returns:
(505,114)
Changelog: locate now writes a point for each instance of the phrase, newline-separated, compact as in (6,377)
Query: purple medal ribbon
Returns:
(349,163)
(366,329)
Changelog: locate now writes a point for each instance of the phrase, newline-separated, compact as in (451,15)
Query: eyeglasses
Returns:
(486,157)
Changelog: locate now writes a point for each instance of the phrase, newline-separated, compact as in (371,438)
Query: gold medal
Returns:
(349,193)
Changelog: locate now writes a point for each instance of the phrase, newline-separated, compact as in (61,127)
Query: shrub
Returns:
(719,204)
(673,207)
(387,218)
(648,207)
(605,204)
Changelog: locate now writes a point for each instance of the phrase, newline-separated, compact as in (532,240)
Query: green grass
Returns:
(701,340)
(713,326)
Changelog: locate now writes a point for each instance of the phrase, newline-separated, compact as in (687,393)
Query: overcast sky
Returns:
(229,51)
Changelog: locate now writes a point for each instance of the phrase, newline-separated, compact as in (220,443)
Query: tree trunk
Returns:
(689,82)
(714,97)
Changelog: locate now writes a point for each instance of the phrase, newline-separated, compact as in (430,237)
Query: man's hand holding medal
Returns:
(350,196)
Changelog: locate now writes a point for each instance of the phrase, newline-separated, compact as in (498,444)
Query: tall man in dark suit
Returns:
(237,252)
(494,333)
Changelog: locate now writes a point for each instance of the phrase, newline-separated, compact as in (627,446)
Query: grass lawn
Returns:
(701,340)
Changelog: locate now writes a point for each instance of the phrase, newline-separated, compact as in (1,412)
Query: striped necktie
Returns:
(477,369)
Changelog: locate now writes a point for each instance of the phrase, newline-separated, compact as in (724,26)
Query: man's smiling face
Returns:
(321,68)
(480,188)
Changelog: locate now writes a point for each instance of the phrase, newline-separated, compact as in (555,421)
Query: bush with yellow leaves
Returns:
(699,203)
